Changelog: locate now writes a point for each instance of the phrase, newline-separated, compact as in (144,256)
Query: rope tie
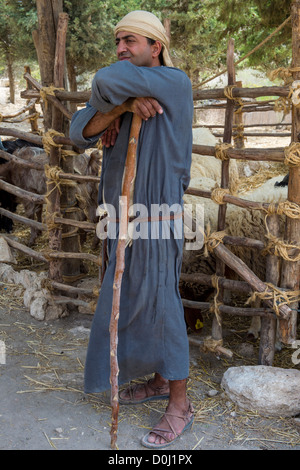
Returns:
(239,132)
(50,217)
(288,208)
(68,153)
(52,174)
(292,154)
(214,307)
(283,104)
(284,73)
(211,345)
(220,151)
(212,240)
(47,254)
(238,101)
(33,117)
(278,247)
(48,90)
(217,195)
(228,91)
(48,141)
(276,296)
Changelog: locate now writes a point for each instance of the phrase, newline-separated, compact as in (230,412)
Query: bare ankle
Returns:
(160,381)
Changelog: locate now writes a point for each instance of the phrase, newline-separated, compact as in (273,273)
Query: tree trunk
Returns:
(10,77)
(44,40)
(72,83)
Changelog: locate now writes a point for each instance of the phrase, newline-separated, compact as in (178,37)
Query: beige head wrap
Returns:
(148,25)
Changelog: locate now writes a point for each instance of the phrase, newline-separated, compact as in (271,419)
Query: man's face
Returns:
(135,49)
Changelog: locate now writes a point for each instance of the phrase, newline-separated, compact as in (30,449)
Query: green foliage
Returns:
(16,21)
(199,31)
(252,21)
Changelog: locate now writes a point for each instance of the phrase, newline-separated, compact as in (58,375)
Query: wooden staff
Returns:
(129,176)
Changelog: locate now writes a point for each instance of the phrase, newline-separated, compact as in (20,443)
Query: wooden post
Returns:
(55,234)
(45,40)
(238,126)
(220,266)
(32,111)
(291,270)
(68,203)
(269,324)
(167,26)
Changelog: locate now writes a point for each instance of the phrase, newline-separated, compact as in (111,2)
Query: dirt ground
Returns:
(43,406)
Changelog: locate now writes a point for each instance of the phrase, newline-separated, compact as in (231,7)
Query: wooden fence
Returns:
(279,294)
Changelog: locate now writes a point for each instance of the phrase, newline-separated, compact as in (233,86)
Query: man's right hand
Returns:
(144,107)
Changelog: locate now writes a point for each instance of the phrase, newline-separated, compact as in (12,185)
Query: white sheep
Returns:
(239,222)
(209,166)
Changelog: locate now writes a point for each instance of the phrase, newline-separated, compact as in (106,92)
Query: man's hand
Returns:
(110,135)
(144,107)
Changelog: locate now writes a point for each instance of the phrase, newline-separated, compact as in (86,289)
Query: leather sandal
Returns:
(151,393)
(188,420)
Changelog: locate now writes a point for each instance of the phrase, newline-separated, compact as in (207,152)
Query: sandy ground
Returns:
(43,406)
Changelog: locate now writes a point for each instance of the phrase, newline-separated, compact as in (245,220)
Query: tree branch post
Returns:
(119,269)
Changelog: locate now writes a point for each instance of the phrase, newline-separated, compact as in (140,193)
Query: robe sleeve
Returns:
(78,123)
(113,85)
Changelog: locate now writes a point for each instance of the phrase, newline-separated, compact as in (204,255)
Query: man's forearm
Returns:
(100,121)
(143,107)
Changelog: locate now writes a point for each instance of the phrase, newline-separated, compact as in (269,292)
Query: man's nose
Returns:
(121,47)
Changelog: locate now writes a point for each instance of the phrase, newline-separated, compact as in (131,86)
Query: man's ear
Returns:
(156,49)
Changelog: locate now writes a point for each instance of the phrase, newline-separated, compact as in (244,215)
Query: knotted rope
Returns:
(214,307)
(278,247)
(212,240)
(220,151)
(228,92)
(276,296)
(288,208)
(292,154)
(48,90)
(48,141)
(217,195)
(211,345)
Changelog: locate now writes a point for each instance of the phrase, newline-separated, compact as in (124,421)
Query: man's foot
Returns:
(171,426)
(140,393)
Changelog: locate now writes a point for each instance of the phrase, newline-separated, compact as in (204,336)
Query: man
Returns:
(152,331)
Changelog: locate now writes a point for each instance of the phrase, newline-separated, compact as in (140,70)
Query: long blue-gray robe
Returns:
(152,331)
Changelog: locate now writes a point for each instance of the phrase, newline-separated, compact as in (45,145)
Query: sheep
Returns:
(206,175)
(209,166)
(239,222)
(9,201)
(35,181)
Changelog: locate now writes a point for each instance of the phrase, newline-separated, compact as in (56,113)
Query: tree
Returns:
(199,32)
(249,22)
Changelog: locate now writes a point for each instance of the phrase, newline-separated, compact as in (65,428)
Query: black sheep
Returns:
(9,201)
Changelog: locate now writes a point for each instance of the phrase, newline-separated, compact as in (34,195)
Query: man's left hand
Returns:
(110,135)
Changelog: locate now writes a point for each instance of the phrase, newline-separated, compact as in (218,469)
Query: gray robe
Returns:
(152,331)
